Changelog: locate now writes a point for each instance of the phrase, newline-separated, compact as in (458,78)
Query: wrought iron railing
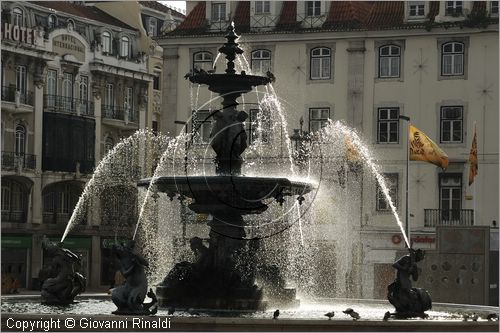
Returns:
(448,217)
(118,113)
(11,160)
(14,216)
(263,21)
(62,104)
(11,94)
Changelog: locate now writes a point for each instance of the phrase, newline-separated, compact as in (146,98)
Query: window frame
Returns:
(444,211)
(494,14)
(262,10)
(52,21)
(218,15)
(313,8)
(257,57)
(322,121)
(107,46)
(152,24)
(452,121)
(124,47)
(203,61)
(17,15)
(450,8)
(393,187)
(321,58)
(109,95)
(200,125)
(20,140)
(21,79)
(388,121)
(390,58)
(453,54)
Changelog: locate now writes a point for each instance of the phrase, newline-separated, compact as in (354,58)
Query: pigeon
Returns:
(243,73)
(465,317)
(330,315)
(171,310)
(492,316)
(188,75)
(475,317)
(276,314)
(352,313)
(387,315)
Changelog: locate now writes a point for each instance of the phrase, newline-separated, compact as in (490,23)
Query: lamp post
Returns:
(300,138)
(407,222)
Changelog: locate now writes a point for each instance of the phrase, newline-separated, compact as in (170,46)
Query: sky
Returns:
(178,4)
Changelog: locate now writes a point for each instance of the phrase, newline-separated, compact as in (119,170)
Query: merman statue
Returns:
(61,280)
(408,301)
(129,297)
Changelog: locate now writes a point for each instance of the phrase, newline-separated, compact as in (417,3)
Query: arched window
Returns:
(202,60)
(59,200)
(389,61)
(14,201)
(261,61)
(18,16)
(320,63)
(20,140)
(52,21)
(106,42)
(124,46)
(452,62)
(109,143)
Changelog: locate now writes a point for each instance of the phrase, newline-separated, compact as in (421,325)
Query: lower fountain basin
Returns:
(247,195)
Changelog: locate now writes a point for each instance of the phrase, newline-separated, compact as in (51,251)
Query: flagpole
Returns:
(474,194)
(407,222)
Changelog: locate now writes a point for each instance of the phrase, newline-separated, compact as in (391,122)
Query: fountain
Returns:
(215,280)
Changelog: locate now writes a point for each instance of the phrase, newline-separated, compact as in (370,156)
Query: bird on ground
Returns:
(276,314)
(387,315)
(465,317)
(475,317)
(492,317)
(330,315)
(352,313)
(171,310)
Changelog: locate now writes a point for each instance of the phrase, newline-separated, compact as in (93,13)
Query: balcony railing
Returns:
(13,216)
(11,160)
(62,104)
(11,94)
(118,113)
(448,217)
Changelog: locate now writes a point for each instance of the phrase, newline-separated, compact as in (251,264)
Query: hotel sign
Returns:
(18,34)
(64,44)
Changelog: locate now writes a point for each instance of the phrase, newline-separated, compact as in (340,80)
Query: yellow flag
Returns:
(422,148)
(473,159)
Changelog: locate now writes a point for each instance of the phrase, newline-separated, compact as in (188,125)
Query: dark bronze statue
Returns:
(61,280)
(129,297)
(408,301)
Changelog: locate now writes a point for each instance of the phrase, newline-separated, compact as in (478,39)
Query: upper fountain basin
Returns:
(247,195)
(229,83)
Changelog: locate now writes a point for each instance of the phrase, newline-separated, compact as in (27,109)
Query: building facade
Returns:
(367,63)
(75,81)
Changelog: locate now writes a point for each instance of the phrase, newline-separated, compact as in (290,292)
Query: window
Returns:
(20,140)
(262,7)
(388,125)
(67,85)
(494,8)
(51,21)
(21,84)
(110,94)
(259,126)
(450,196)
(152,26)
(108,144)
(318,118)
(313,8)
(320,63)
(452,62)
(127,100)
(391,181)
(156,81)
(416,9)
(261,61)
(59,200)
(124,47)
(51,82)
(14,201)
(389,61)
(451,124)
(218,11)
(453,8)
(202,125)
(106,42)
(84,88)
(202,60)
(18,16)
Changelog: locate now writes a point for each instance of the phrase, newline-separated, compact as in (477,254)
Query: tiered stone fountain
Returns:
(215,280)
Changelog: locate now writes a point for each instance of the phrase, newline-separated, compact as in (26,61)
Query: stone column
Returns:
(169,97)
(355,86)
(39,80)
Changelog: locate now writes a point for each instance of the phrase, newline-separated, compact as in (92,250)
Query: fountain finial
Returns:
(230,48)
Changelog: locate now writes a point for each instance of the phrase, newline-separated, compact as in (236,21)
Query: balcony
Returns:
(448,217)
(12,161)
(62,104)
(124,114)
(11,94)
(14,216)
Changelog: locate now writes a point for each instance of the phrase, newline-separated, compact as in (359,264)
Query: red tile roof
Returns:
(242,16)
(89,12)
(342,16)
(162,8)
